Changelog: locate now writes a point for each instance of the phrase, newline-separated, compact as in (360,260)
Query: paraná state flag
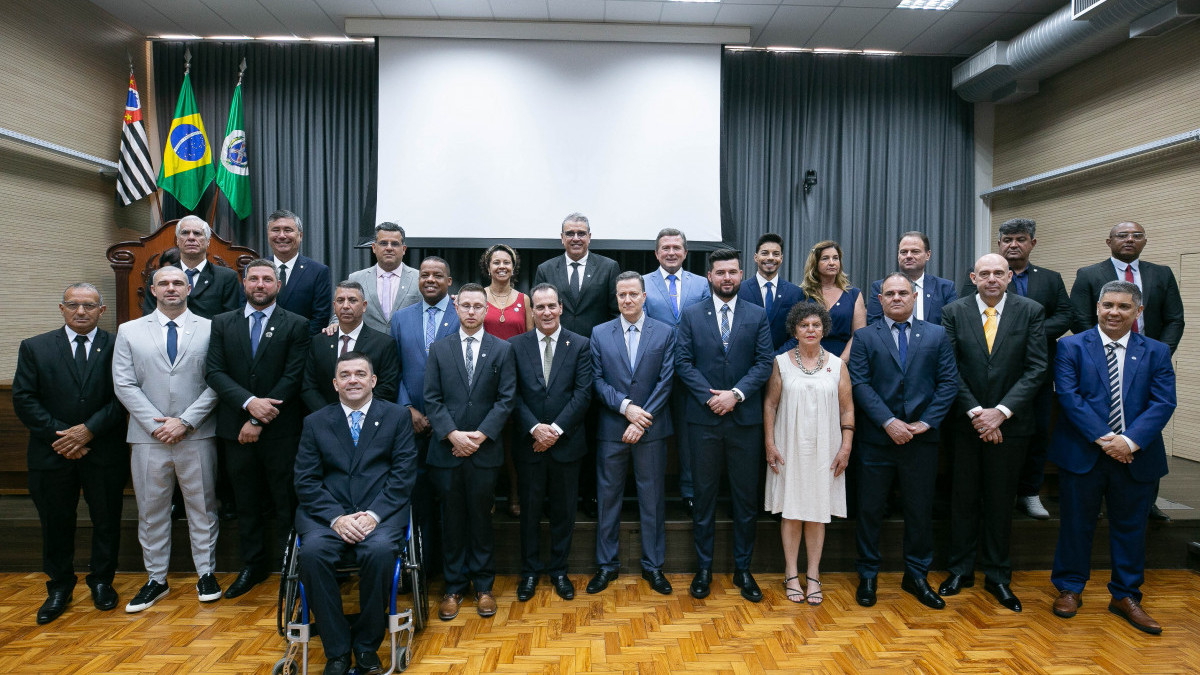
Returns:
(135,173)
(187,158)
(233,175)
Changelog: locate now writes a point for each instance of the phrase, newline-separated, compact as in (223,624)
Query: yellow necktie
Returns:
(989,327)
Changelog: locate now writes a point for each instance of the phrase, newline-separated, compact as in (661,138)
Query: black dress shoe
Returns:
(338,666)
(955,583)
(657,581)
(601,581)
(527,587)
(1004,595)
(55,604)
(1158,514)
(104,597)
(589,507)
(921,590)
(368,663)
(246,579)
(563,586)
(689,506)
(745,581)
(866,591)
(700,584)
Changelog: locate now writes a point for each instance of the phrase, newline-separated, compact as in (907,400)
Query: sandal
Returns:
(796,595)
(816,594)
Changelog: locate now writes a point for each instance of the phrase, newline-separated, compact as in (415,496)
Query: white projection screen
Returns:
(482,140)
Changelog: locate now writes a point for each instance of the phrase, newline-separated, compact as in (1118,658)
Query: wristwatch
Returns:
(254,422)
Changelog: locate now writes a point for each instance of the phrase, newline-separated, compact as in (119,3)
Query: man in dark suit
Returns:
(63,392)
(355,469)
(1000,345)
(470,387)
(723,358)
(1117,390)
(905,381)
(554,388)
(213,289)
(256,365)
(768,291)
(353,335)
(933,293)
(1162,317)
(1016,242)
(633,359)
(305,284)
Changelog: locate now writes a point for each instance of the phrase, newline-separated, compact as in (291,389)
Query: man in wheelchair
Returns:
(355,469)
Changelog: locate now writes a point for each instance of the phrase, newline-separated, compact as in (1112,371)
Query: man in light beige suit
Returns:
(158,375)
(390,278)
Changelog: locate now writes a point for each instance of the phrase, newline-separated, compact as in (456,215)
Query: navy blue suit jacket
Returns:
(787,294)
(648,385)
(562,401)
(1147,396)
(923,390)
(308,292)
(702,363)
(335,477)
(484,405)
(408,330)
(939,292)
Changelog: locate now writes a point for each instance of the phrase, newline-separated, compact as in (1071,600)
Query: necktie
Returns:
(770,299)
(547,358)
(573,282)
(1129,278)
(355,425)
(386,300)
(282,276)
(902,343)
(673,291)
(172,340)
(191,275)
(345,345)
(430,327)
(725,327)
(633,345)
(255,332)
(470,361)
(989,327)
(81,354)
(1116,420)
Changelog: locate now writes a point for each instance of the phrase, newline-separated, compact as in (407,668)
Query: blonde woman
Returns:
(826,284)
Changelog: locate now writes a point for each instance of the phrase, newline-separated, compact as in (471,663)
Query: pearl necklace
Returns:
(815,370)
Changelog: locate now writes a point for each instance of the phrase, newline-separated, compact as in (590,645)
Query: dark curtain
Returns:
(891,144)
(311,121)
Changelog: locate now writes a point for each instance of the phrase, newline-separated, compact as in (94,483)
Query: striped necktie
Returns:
(1116,419)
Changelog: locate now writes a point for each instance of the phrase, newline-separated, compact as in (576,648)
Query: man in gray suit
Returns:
(390,285)
(158,375)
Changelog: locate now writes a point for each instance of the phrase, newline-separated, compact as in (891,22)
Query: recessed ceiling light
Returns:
(927,4)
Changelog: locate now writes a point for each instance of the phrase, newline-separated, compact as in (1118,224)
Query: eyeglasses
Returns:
(87,306)
(575,234)
(1136,236)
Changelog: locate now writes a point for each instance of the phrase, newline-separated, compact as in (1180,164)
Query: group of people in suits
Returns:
(616,364)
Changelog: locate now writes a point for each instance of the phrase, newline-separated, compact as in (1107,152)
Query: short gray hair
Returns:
(280,214)
(577,217)
(1018,226)
(85,286)
(1122,287)
(193,219)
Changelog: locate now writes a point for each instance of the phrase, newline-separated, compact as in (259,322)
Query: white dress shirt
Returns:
(919,309)
(353,335)
(91,338)
(462,342)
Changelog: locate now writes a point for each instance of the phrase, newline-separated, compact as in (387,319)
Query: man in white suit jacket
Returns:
(158,375)
(389,276)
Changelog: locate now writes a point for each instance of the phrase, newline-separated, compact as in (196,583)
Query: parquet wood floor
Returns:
(630,629)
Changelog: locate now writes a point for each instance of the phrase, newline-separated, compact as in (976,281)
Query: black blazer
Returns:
(218,289)
(275,371)
(308,292)
(49,396)
(1047,288)
(564,401)
(1014,371)
(596,301)
(323,351)
(484,406)
(701,362)
(1162,318)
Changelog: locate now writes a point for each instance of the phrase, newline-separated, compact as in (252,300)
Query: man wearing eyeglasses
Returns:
(1162,316)
(390,285)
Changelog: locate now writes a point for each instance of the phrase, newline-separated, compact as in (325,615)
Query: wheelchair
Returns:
(294,622)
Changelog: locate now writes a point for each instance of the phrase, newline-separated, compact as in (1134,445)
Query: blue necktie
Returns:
(770,299)
(673,291)
(725,327)
(902,342)
(355,425)
(633,345)
(255,332)
(430,327)
(172,340)
(191,275)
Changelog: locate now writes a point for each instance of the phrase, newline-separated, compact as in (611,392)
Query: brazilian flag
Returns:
(187,167)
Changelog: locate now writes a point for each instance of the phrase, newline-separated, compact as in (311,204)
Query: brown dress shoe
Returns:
(1130,610)
(1067,604)
(485,604)
(448,609)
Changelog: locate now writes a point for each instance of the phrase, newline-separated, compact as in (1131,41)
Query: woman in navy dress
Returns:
(826,284)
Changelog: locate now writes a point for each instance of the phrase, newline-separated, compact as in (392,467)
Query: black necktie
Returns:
(191,275)
(282,276)
(81,354)
(574,280)
(902,342)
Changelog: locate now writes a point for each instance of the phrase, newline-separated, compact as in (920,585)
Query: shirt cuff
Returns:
(1005,410)
(889,422)
(738,392)
(375,516)
(972,411)
(557,429)
(534,427)
(247,402)
(624,405)
(1132,446)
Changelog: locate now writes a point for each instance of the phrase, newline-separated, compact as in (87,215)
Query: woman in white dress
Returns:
(808,420)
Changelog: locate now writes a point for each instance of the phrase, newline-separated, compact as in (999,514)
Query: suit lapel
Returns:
(186,333)
(885,334)
(295,273)
(156,336)
(1004,323)
(66,355)
(456,347)
(97,350)
(560,357)
(366,434)
(1132,368)
(1095,351)
(974,326)
(203,280)
(268,332)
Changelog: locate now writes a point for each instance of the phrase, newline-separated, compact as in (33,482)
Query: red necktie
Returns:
(1129,278)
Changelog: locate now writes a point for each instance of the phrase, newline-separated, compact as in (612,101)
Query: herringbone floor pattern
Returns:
(631,629)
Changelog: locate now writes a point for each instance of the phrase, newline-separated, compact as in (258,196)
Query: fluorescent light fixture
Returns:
(173,36)
(228,38)
(788,49)
(341,38)
(281,38)
(879,52)
(835,50)
(940,5)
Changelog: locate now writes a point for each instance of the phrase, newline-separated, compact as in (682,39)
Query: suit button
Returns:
(468,404)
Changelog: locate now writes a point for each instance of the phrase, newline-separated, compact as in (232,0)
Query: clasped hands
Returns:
(465,443)
(1114,446)
(171,432)
(72,442)
(987,422)
(544,436)
(721,401)
(354,527)
(902,432)
(639,421)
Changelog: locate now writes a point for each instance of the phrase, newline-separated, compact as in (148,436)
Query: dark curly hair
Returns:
(485,261)
(801,311)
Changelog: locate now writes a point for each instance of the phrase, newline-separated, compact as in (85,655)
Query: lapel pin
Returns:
(917,335)
(268,334)
(1134,358)
(567,343)
(482,356)
(376,422)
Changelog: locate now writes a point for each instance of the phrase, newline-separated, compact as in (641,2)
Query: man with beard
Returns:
(256,365)
(768,290)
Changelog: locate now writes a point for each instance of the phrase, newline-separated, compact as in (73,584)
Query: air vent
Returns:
(1081,8)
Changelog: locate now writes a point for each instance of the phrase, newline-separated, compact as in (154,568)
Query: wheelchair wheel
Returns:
(288,609)
(286,667)
(416,580)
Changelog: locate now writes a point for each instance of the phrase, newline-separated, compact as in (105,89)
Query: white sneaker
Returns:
(1033,506)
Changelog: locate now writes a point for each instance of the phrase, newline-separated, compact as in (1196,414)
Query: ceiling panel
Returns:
(690,12)
(846,26)
(988,5)
(463,9)
(527,10)
(238,13)
(303,18)
(1005,24)
(949,31)
(631,10)
(576,10)
(813,3)
(898,28)
(792,26)
(877,4)
(408,8)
